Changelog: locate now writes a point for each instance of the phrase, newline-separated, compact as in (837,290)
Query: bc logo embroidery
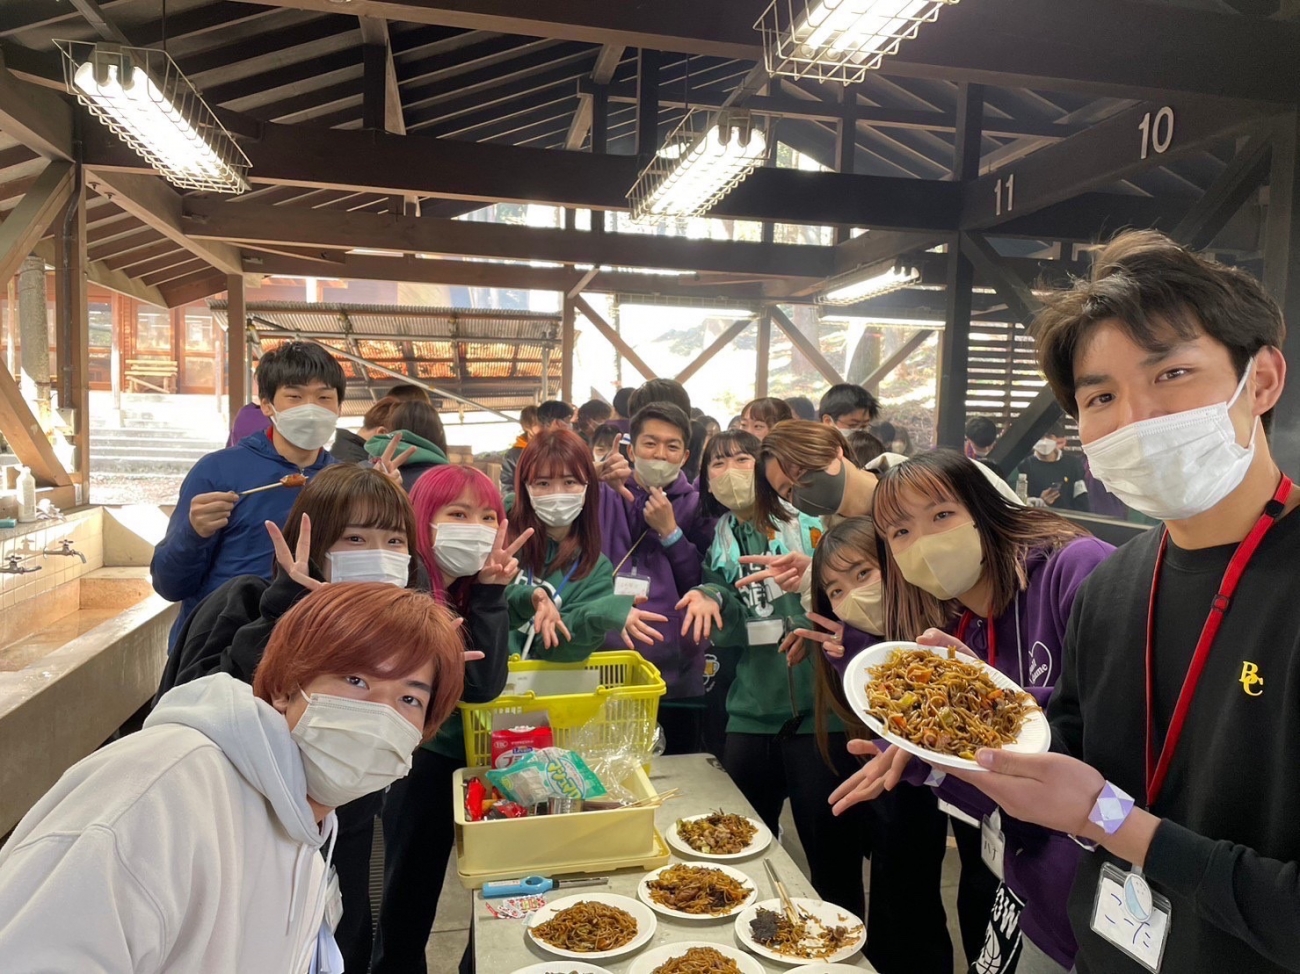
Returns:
(1250,677)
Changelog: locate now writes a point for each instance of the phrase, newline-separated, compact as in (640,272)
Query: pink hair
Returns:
(433,491)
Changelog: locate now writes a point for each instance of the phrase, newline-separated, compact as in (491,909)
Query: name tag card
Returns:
(1131,916)
(765,632)
(630,583)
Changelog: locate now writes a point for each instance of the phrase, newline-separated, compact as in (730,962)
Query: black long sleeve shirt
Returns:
(1227,854)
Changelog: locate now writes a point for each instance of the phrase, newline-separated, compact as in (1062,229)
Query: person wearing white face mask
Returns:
(203,842)
(349,524)
(462,545)
(215,533)
(1056,476)
(652,529)
(1176,724)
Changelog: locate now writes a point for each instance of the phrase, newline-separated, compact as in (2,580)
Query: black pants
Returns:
(352,860)
(768,770)
(419,832)
(682,721)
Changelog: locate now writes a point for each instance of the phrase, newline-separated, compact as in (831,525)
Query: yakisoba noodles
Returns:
(944,704)
(588,927)
(697,890)
(699,960)
(718,834)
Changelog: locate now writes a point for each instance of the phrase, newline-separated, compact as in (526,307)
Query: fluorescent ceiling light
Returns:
(371,252)
(719,157)
(142,96)
(861,285)
(839,40)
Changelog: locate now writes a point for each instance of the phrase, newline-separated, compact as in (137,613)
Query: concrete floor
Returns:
(451,929)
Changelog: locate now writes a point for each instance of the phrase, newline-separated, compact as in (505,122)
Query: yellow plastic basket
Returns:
(625,707)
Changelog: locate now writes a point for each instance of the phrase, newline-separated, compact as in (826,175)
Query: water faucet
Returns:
(65,548)
(14,566)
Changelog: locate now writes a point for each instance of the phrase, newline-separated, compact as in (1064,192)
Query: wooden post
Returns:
(73,335)
(236,345)
(764,353)
(11,346)
(119,307)
(566,351)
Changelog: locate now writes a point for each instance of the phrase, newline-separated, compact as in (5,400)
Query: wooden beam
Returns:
(27,222)
(382,99)
(72,331)
(101,24)
(872,382)
(252,223)
(193,287)
(1229,191)
(566,351)
(97,272)
(151,200)
(36,117)
(23,432)
(806,348)
(728,336)
(607,62)
(614,338)
(764,354)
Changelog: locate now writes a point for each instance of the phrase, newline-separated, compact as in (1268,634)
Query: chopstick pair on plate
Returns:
(791,913)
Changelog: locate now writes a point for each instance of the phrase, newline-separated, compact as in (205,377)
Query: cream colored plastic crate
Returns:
(556,845)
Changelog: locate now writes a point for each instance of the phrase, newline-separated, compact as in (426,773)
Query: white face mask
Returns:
(308,427)
(656,473)
(352,748)
(1178,466)
(370,565)
(558,510)
(463,549)
(1045,447)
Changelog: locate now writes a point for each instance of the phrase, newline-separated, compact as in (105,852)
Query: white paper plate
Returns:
(828,913)
(645,924)
(828,969)
(1035,733)
(570,967)
(647,962)
(643,892)
(761,840)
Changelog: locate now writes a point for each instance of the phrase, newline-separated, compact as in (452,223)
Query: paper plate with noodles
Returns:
(572,967)
(685,891)
(687,958)
(830,969)
(719,835)
(593,926)
(824,932)
(942,709)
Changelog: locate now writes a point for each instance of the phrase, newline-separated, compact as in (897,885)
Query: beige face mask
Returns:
(734,489)
(864,609)
(945,565)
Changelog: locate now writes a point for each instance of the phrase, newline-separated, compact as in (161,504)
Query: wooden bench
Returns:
(157,374)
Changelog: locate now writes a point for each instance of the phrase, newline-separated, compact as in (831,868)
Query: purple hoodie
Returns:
(1039,865)
(249,420)
(672,571)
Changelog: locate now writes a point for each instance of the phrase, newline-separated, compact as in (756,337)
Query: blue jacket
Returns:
(187,568)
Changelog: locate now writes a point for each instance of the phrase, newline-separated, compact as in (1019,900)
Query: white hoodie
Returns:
(187,848)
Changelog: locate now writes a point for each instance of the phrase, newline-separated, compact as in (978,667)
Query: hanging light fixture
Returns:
(707,155)
(141,95)
(839,40)
(869,282)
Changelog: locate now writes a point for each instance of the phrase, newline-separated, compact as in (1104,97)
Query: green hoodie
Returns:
(759,701)
(588,606)
(425,452)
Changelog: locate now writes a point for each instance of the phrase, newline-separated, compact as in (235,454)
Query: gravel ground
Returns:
(107,488)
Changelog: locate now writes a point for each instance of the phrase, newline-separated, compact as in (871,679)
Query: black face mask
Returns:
(821,493)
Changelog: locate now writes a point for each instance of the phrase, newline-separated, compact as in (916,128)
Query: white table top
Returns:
(500,946)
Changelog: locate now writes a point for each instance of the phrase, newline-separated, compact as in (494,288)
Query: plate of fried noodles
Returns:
(942,706)
(719,835)
(695,958)
(685,891)
(593,926)
(822,931)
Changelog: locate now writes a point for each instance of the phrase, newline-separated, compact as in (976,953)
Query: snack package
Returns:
(547,773)
(509,745)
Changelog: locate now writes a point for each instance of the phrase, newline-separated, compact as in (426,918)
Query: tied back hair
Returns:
(1008,534)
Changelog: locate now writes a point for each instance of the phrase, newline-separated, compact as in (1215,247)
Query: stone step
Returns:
(156,468)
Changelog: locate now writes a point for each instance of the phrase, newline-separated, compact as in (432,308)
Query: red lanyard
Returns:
(967,618)
(1157,771)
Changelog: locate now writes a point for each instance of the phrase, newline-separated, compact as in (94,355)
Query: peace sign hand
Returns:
(832,641)
(785,570)
(502,566)
(389,466)
(297,565)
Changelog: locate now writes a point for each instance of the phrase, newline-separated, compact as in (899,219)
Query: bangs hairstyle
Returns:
(1160,294)
(768,411)
(297,364)
(728,443)
(1008,534)
(365,629)
(434,490)
(798,446)
(550,454)
(346,495)
(840,548)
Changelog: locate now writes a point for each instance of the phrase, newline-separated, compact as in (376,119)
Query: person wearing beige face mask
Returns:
(965,566)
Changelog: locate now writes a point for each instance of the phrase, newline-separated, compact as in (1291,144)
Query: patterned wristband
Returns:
(1111,809)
